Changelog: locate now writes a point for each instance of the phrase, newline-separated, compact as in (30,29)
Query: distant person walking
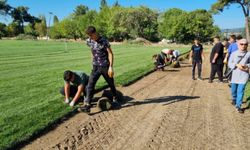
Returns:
(102,65)
(216,60)
(239,61)
(195,57)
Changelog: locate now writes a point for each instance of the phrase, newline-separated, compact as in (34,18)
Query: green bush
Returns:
(26,37)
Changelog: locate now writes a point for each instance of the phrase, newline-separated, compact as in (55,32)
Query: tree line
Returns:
(116,22)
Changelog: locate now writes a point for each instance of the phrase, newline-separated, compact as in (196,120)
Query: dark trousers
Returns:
(216,68)
(199,65)
(72,91)
(94,76)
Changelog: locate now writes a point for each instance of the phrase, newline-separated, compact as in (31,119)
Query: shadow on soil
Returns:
(186,66)
(171,70)
(166,100)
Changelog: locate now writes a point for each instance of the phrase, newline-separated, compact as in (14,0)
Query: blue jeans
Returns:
(237,91)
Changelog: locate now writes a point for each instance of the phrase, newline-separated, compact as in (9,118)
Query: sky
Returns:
(231,17)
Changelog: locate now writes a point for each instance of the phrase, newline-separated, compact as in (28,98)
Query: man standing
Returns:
(102,65)
(239,61)
(231,48)
(216,60)
(196,55)
(226,45)
(75,85)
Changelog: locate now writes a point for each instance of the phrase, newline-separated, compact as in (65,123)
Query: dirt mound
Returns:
(141,41)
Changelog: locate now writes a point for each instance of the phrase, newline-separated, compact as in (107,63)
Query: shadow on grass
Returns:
(166,100)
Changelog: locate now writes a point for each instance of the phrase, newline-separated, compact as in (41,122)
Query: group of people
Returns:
(79,85)
(232,54)
(165,56)
(236,59)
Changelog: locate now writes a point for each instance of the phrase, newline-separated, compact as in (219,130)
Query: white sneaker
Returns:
(72,103)
(66,101)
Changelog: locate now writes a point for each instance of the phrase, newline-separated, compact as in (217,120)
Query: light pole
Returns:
(48,28)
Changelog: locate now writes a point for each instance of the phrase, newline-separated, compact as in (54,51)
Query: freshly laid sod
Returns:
(31,74)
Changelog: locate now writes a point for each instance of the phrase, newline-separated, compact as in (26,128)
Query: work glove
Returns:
(66,100)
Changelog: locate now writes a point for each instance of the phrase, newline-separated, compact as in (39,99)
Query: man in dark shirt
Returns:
(159,61)
(102,65)
(75,85)
(196,56)
(216,60)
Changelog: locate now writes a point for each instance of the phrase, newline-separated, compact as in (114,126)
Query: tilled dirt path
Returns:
(168,111)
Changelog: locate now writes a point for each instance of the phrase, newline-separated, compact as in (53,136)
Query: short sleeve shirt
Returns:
(197,51)
(99,51)
(218,48)
(232,48)
(176,53)
(80,79)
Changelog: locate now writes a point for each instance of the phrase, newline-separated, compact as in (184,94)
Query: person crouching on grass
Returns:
(159,61)
(239,61)
(170,55)
(102,65)
(75,85)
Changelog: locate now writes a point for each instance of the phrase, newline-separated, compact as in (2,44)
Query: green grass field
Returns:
(247,95)
(31,75)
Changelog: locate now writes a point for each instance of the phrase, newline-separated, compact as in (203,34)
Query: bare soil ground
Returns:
(167,110)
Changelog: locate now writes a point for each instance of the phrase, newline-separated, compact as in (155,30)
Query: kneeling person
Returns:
(159,61)
(75,85)
(170,54)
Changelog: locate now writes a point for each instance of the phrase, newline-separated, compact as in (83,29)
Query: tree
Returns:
(116,3)
(67,28)
(21,15)
(103,4)
(18,15)
(82,22)
(244,4)
(3,31)
(29,30)
(55,20)
(4,7)
(174,25)
(13,29)
(55,31)
(181,26)
(41,28)
(80,10)
(201,25)
(137,22)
